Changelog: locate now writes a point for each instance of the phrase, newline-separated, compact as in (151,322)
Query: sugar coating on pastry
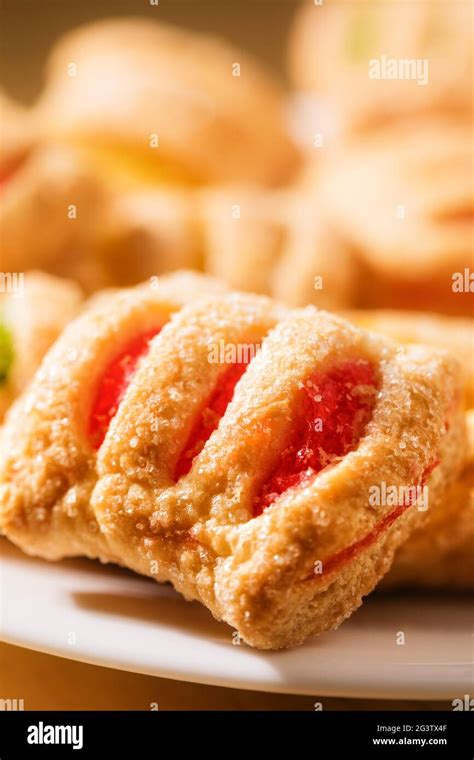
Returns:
(48,469)
(439,554)
(203,528)
(236,452)
(453,334)
(137,79)
(31,318)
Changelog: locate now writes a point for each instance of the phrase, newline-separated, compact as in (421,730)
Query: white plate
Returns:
(108,616)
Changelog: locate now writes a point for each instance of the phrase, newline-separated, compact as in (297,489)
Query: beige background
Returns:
(29,27)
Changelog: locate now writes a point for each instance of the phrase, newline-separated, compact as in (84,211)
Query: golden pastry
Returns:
(31,317)
(454,334)
(403,201)
(51,516)
(151,103)
(376,61)
(439,554)
(229,447)
(49,203)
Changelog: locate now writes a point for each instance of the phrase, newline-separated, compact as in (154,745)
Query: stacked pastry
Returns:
(393,169)
(140,158)
(134,118)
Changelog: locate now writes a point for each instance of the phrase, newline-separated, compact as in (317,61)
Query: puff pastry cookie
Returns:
(151,103)
(30,321)
(48,478)
(231,454)
(403,201)
(377,61)
(440,553)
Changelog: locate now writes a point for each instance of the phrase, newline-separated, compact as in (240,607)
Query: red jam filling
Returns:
(333,411)
(112,386)
(209,417)
(350,552)
(340,558)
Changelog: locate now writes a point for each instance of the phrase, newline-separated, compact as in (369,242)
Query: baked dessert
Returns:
(412,232)
(375,62)
(230,451)
(152,112)
(453,334)
(440,553)
(44,187)
(31,318)
(151,103)
(46,508)
(276,243)
(340,238)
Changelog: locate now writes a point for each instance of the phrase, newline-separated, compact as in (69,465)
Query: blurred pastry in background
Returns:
(275,243)
(48,203)
(150,104)
(148,232)
(373,61)
(242,235)
(403,200)
(31,318)
(151,112)
(440,553)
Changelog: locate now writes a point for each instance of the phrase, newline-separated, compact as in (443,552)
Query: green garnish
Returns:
(6,352)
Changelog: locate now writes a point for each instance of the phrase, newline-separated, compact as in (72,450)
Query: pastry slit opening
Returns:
(113,384)
(208,418)
(330,417)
